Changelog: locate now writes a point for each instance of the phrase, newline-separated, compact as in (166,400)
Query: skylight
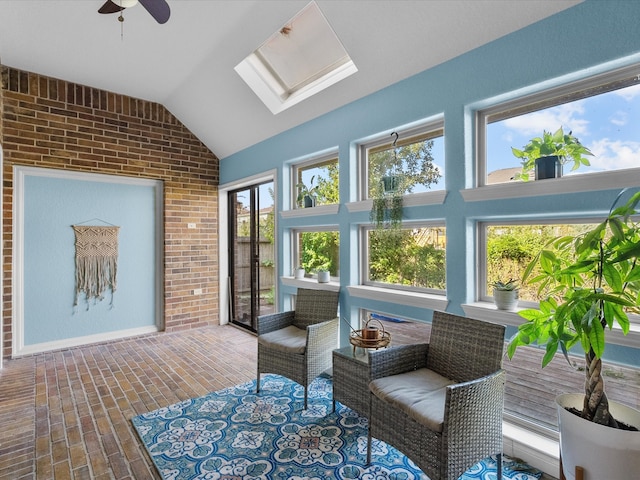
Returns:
(301,59)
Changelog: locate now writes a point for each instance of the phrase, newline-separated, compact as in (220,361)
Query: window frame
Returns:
(364,259)
(317,161)
(295,245)
(425,131)
(481,253)
(568,92)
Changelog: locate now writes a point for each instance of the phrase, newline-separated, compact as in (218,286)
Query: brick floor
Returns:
(66,414)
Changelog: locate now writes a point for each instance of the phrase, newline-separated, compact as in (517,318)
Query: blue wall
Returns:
(51,206)
(591,37)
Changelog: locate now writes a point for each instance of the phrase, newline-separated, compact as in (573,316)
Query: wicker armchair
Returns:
(297,344)
(441,403)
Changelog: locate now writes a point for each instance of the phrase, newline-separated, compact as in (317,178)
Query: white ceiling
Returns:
(188,63)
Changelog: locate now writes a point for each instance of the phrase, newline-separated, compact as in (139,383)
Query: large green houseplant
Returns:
(593,280)
(557,147)
(593,283)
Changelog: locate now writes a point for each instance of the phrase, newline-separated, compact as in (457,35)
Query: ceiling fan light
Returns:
(125,3)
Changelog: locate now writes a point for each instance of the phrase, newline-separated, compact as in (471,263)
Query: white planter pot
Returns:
(299,273)
(603,452)
(506,299)
(323,277)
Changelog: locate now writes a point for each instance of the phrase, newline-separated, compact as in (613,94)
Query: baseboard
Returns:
(86,340)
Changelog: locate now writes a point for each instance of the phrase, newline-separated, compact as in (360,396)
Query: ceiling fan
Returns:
(159,9)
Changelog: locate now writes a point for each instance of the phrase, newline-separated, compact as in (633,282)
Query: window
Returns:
(602,112)
(319,177)
(403,331)
(415,158)
(509,247)
(299,60)
(317,250)
(411,257)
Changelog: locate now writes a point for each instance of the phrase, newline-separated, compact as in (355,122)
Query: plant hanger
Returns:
(395,152)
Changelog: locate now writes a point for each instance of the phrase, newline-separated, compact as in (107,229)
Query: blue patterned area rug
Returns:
(235,434)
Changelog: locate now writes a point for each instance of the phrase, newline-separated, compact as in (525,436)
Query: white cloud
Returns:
(628,93)
(619,118)
(614,155)
(565,116)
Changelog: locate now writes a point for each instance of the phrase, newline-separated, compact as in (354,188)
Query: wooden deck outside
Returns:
(531,390)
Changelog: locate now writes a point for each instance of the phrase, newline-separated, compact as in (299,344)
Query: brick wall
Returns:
(52,123)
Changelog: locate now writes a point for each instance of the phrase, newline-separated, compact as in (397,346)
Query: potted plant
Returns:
(505,294)
(323,275)
(547,154)
(394,172)
(307,196)
(299,272)
(387,208)
(593,280)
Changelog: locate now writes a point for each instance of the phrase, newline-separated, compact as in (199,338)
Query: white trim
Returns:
(411,299)
(310,283)
(223,237)
(312,211)
(260,80)
(19,175)
(411,200)
(487,311)
(537,450)
(586,182)
(86,340)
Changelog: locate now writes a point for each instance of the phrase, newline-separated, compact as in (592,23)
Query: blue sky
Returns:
(608,124)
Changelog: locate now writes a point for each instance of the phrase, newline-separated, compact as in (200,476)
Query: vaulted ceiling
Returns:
(188,63)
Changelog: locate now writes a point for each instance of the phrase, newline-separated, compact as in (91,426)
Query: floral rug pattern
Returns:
(234,434)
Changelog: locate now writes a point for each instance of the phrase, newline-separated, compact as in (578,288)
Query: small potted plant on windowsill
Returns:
(547,154)
(307,195)
(593,280)
(299,273)
(505,294)
(323,275)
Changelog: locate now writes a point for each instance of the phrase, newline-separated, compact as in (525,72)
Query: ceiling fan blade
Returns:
(110,7)
(159,9)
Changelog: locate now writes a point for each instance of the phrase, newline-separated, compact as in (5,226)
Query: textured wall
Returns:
(52,123)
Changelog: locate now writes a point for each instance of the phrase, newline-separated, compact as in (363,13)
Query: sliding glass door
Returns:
(252,270)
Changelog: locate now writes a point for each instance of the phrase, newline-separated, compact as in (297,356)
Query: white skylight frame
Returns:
(261,75)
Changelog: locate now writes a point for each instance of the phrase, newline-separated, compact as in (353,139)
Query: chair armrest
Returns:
(274,321)
(395,360)
(473,412)
(322,337)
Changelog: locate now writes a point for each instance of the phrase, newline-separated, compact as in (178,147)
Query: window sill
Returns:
(487,311)
(537,450)
(410,200)
(312,283)
(586,182)
(412,299)
(311,211)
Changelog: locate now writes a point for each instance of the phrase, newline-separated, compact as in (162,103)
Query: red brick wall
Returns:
(52,123)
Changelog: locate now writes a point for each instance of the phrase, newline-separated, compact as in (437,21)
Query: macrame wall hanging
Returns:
(96,261)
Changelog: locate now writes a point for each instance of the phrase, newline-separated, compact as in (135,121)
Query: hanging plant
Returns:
(396,210)
(378,211)
(387,207)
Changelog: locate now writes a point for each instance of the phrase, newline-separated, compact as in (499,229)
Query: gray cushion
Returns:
(420,394)
(289,339)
